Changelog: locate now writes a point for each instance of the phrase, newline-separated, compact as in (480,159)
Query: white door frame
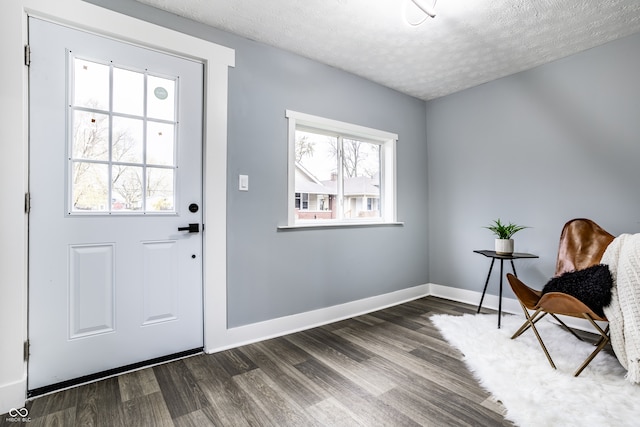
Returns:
(14,165)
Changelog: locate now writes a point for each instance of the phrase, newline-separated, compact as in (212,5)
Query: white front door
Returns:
(115,171)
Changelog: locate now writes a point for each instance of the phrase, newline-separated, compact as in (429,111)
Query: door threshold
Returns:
(40,391)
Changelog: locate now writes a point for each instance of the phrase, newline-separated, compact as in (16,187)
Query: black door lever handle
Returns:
(192,228)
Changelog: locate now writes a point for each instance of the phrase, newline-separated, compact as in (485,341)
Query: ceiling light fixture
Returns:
(426,7)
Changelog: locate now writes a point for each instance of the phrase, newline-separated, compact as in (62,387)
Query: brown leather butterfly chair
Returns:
(582,244)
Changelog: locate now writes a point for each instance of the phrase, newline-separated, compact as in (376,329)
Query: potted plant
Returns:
(504,232)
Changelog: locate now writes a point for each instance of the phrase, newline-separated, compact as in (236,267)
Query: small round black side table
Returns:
(494,256)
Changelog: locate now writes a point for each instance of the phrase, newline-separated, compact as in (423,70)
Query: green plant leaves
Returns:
(504,231)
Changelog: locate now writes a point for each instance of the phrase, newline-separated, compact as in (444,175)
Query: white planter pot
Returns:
(504,246)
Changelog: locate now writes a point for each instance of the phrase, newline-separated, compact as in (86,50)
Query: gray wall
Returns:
(537,148)
(275,273)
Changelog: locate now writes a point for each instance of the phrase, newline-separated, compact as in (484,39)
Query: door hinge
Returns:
(26,351)
(27,55)
(27,203)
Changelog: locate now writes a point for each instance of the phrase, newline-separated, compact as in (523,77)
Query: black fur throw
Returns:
(592,286)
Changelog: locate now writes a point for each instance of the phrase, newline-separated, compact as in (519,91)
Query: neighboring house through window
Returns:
(339,172)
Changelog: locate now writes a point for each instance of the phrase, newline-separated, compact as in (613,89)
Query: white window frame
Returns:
(387,141)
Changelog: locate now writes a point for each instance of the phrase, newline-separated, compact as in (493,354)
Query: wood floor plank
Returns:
(147,410)
(62,418)
(200,418)
(443,306)
(179,388)
(99,404)
(362,403)
(342,364)
(231,406)
(425,413)
(137,383)
(286,351)
(205,367)
(397,319)
(272,400)
(193,419)
(339,344)
(296,386)
(332,412)
(399,337)
(234,362)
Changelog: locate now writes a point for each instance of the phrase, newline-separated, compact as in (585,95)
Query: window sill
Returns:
(339,225)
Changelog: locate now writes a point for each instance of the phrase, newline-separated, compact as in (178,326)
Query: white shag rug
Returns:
(517,373)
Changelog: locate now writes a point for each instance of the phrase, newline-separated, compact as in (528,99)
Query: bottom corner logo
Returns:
(21,412)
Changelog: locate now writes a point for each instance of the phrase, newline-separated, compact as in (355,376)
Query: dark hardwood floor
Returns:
(387,368)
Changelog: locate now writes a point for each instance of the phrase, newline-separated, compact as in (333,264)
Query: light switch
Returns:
(243,183)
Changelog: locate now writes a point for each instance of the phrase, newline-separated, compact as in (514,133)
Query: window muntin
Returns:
(122,140)
(346,171)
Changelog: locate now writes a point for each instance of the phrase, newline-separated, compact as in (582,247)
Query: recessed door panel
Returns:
(91,290)
(161,278)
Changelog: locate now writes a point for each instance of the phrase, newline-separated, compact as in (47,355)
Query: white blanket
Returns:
(623,258)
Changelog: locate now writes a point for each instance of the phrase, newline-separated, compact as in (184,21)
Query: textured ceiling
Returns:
(469,42)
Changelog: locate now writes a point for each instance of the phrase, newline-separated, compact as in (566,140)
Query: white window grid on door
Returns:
(108,162)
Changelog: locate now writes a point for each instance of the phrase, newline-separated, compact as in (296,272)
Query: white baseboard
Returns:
(273,328)
(13,395)
(509,305)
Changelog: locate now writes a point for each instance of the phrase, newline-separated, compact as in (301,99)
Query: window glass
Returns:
(316,175)
(126,140)
(361,171)
(160,143)
(160,185)
(90,187)
(90,136)
(128,92)
(127,188)
(340,172)
(161,98)
(91,85)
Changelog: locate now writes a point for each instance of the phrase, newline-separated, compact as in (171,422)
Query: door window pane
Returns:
(90,136)
(127,188)
(161,98)
(127,140)
(160,143)
(128,92)
(91,85)
(90,187)
(160,189)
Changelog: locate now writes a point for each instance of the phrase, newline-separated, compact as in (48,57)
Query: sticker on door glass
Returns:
(160,93)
